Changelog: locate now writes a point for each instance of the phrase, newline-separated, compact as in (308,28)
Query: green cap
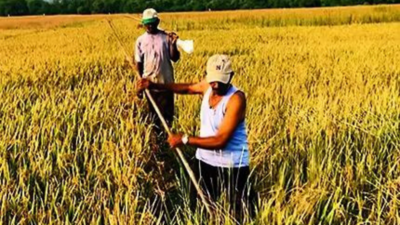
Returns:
(149,21)
(149,16)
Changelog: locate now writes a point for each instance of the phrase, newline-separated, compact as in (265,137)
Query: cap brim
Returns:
(149,21)
(218,77)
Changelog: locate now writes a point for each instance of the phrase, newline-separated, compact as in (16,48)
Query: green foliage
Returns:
(34,7)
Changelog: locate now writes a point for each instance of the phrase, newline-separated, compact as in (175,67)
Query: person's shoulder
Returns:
(162,33)
(237,103)
(239,95)
(238,98)
(141,37)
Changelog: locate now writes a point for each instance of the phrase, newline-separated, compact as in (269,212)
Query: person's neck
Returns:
(155,32)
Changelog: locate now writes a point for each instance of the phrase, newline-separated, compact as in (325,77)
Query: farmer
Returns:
(154,51)
(222,157)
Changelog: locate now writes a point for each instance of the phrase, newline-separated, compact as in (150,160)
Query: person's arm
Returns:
(235,113)
(195,88)
(173,49)
(138,58)
(139,68)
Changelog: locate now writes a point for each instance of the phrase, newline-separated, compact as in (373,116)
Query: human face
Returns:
(152,28)
(220,88)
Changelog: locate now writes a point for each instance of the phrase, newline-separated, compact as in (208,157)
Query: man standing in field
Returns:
(154,51)
(222,157)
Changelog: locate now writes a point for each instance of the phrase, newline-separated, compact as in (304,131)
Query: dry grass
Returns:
(46,22)
(323,120)
(263,17)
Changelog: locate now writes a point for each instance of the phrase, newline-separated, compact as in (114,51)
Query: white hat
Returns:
(219,69)
(149,16)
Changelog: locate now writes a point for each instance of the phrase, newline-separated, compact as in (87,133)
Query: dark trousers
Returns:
(165,103)
(232,184)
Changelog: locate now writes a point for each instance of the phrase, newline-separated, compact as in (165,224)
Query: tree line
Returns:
(39,7)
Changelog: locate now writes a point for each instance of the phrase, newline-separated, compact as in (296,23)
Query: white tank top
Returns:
(235,153)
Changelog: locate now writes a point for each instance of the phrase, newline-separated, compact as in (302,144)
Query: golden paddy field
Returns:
(323,117)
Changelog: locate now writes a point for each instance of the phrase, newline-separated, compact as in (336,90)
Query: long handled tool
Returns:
(182,158)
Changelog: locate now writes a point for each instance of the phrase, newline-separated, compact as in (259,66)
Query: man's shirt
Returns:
(153,51)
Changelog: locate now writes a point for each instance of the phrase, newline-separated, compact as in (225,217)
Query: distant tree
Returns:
(36,7)
(198,5)
(13,7)
(24,7)
(131,6)
(83,10)
(98,6)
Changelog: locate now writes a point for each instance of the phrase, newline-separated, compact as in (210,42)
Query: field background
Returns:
(323,117)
